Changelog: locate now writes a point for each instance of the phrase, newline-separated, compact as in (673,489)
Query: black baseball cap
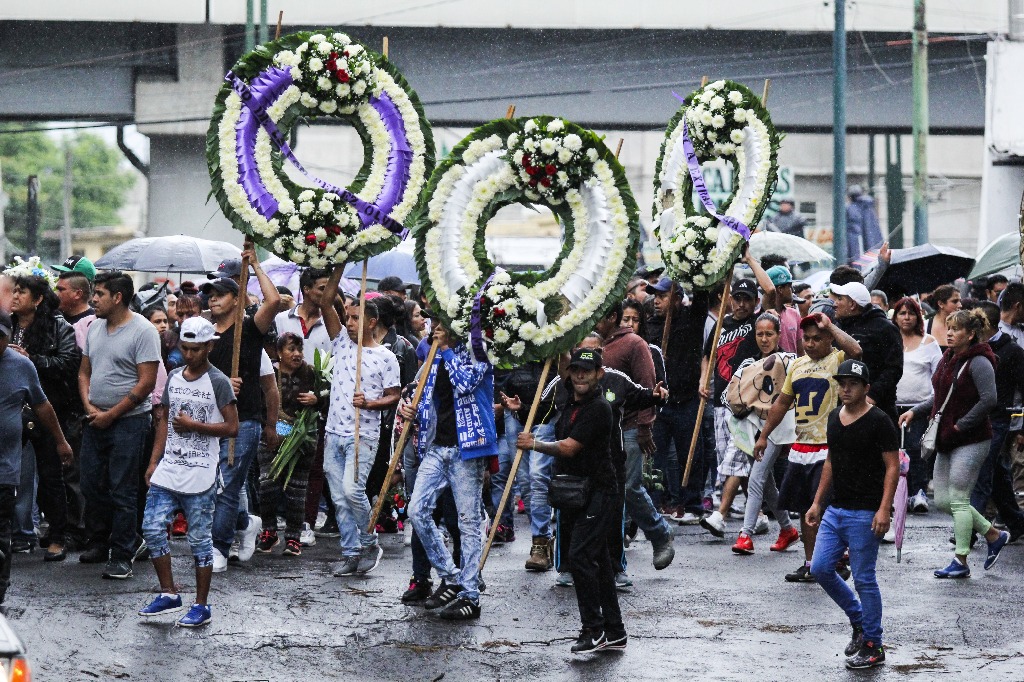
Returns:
(853,369)
(232,267)
(224,285)
(586,358)
(392,283)
(745,287)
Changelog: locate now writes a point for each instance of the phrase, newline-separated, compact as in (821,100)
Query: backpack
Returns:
(756,384)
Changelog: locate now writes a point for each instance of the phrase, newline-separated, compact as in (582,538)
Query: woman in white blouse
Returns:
(921,355)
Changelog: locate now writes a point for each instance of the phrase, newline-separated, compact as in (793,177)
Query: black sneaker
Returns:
(94,555)
(615,640)
(843,569)
(869,656)
(460,609)
(504,534)
(856,641)
(418,591)
(589,640)
(118,569)
(267,541)
(22,546)
(801,575)
(445,594)
(329,529)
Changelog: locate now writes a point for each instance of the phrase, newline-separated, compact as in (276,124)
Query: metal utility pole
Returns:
(263,29)
(839,134)
(65,229)
(250,30)
(920,124)
(32,217)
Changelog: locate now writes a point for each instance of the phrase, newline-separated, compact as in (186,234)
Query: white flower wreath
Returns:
(723,120)
(310,75)
(517,317)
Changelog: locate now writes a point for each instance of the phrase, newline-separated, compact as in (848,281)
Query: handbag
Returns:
(931,433)
(569,493)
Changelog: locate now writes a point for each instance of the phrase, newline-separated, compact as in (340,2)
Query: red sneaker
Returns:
(744,545)
(520,506)
(786,538)
(179,528)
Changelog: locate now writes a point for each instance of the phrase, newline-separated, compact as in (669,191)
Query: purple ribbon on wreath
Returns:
(476,320)
(697,177)
(369,213)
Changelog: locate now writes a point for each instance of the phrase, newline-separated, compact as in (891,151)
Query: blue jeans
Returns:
(440,468)
(230,516)
(348,489)
(506,453)
(540,477)
(161,504)
(839,529)
(110,462)
(639,506)
(23,523)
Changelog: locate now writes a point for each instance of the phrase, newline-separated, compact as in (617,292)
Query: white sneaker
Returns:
(689,519)
(761,527)
(233,550)
(220,562)
(321,519)
(247,538)
(307,538)
(714,524)
(919,503)
(890,537)
(407,533)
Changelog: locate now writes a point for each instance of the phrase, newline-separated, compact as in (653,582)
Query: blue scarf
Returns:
(473,386)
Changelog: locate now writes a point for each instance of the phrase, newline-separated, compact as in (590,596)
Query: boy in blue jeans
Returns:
(861,470)
(197,410)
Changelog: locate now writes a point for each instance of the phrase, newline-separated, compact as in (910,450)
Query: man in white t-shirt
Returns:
(196,411)
(305,320)
(346,470)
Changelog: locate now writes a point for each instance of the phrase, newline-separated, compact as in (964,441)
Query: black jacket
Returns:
(57,357)
(685,344)
(1009,375)
(882,347)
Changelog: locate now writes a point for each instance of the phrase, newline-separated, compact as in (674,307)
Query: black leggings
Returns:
(51,496)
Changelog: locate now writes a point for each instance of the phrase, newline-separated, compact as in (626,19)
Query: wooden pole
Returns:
(384,47)
(280,18)
(243,285)
(511,112)
(711,377)
(359,367)
(764,93)
(668,320)
(409,426)
(527,427)
(703,81)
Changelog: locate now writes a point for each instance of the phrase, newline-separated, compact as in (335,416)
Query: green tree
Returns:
(100,182)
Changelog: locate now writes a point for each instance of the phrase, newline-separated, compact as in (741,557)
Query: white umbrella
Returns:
(794,249)
(178,253)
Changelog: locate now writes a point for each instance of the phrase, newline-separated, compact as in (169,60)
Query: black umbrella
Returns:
(920,269)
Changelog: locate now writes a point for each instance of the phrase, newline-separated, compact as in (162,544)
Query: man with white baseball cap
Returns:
(879,339)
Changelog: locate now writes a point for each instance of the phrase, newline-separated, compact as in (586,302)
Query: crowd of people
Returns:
(134,417)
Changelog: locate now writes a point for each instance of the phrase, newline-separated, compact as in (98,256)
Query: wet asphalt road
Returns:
(710,614)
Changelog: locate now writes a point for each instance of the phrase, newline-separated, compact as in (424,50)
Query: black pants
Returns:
(293,495)
(586,534)
(375,477)
(616,526)
(7,497)
(51,495)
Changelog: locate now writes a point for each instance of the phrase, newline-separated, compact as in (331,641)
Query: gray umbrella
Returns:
(178,253)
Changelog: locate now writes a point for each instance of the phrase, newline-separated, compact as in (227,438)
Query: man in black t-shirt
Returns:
(583,449)
(224,298)
(862,469)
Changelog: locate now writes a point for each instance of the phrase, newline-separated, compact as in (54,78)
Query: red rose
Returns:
(490,333)
(322,245)
(526,159)
(334,229)
(533,182)
(332,62)
(531,170)
(343,75)
(499,312)
(550,168)
(310,238)
(546,181)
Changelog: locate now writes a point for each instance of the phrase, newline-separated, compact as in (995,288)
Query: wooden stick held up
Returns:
(359,367)
(409,426)
(236,345)
(384,47)
(280,18)
(527,427)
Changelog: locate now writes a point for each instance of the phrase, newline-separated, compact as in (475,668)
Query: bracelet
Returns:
(534,445)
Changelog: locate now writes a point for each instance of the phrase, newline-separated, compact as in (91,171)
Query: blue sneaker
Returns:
(954,570)
(197,616)
(994,548)
(161,605)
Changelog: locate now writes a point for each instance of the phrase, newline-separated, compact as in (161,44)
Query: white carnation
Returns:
(564,156)
(324,48)
(572,142)
(323,82)
(325,206)
(555,125)
(295,223)
(740,115)
(736,136)
(716,103)
(328,106)
(592,154)
(517,348)
(306,207)
(530,126)
(317,38)
(513,139)
(718,121)
(306,195)
(548,146)
(342,90)
(308,100)
(735,96)
(359,88)
(316,64)
(286,206)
